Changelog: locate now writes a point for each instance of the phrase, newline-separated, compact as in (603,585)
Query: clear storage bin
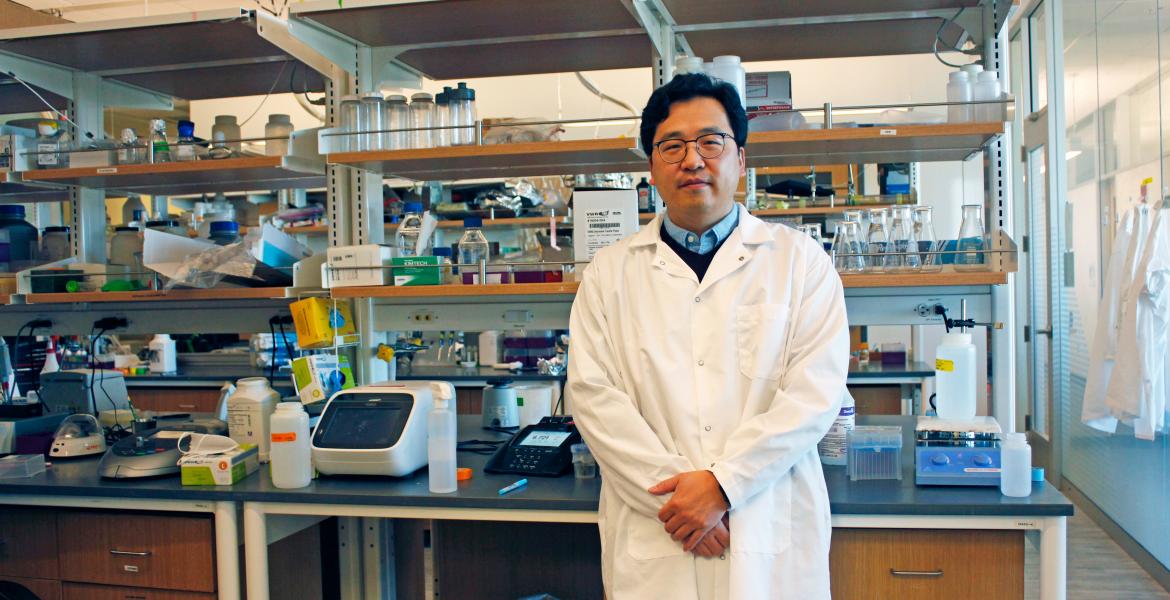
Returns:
(21,465)
(875,452)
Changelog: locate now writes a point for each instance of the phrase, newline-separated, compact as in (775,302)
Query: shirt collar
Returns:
(707,241)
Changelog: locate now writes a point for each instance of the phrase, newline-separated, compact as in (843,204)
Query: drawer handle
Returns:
(897,573)
(127,553)
(134,597)
(186,406)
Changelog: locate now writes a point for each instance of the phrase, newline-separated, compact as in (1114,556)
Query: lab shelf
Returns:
(490,38)
(940,279)
(14,190)
(450,224)
(193,55)
(903,143)
(177,295)
(609,155)
(168,179)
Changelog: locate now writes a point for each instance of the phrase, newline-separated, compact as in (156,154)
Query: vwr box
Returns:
(768,92)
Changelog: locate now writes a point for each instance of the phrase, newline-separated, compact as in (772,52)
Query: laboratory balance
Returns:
(957,451)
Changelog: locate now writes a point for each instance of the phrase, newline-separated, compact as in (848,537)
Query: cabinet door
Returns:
(204,400)
(28,543)
(139,550)
(909,564)
(45,589)
(84,591)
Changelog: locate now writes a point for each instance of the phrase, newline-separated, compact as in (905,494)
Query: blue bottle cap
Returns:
(186,129)
(12,210)
(1037,474)
(412,207)
(442,251)
(473,222)
(224,226)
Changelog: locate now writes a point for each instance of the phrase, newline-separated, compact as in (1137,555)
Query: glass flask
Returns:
(903,245)
(847,247)
(812,230)
(927,242)
(972,241)
(877,240)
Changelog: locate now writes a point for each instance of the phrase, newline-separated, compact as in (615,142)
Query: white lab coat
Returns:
(1094,411)
(741,374)
(1136,392)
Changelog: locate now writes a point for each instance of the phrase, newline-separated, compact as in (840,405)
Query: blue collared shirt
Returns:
(709,240)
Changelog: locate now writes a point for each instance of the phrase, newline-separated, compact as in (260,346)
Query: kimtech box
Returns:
(220,469)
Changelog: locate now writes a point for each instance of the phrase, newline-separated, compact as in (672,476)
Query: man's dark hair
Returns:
(685,87)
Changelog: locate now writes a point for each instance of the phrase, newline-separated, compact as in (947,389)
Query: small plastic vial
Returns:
(1015,476)
(863,354)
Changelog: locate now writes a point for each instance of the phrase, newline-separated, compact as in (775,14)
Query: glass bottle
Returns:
(442,135)
(904,247)
(276,133)
(846,249)
(227,131)
(972,240)
(49,155)
(462,100)
(406,238)
(473,249)
(877,240)
(927,242)
(349,124)
(129,151)
(160,149)
(422,118)
(185,149)
(398,121)
(372,120)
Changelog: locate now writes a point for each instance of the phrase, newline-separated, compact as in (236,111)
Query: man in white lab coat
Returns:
(709,356)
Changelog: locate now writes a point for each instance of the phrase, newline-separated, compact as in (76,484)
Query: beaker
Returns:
(972,241)
(927,242)
(877,240)
(903,245)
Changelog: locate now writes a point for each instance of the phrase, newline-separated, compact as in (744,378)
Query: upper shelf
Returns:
(488,38)
(195,55)
(177,295)
(168,179)
(13,190)
(904,143)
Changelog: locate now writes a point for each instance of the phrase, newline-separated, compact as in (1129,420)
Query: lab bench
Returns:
(888,535)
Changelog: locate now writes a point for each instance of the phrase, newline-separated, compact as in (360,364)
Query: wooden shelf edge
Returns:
(448,152)
(459,291)
(269,293)
(942,278)
(243,162)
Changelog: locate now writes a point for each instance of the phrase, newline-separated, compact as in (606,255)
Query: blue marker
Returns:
(513,487)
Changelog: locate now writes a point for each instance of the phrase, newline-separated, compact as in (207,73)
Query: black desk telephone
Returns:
(541,449)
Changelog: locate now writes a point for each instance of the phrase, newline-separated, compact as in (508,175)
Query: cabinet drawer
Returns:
(83,591)
(28,543)
(44,589)
(141,550)
(909,564)
(176,399)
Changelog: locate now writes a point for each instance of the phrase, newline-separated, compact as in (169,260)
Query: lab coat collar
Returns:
(752,230)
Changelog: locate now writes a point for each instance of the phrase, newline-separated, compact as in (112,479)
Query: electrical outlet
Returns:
(423,316)
(925,310)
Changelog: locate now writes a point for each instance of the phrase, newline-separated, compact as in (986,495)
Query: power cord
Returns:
(102,326)
(32,326)
(11,74)
(938,35)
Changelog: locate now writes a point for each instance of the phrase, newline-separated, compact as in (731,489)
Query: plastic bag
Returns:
(233,263)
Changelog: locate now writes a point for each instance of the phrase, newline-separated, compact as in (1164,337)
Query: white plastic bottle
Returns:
(163,357)
(958,90)
(954,371)
(986,87)
(832,447)
(1015,476)
(441,437)
(291,463)
(249,411)
(688,64)
(728,68)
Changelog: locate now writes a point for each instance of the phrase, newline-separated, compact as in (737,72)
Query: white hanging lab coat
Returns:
(741,374)
(1136,392)
(1094,411)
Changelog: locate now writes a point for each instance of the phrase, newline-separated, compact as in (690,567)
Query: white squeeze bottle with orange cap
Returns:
(290,459)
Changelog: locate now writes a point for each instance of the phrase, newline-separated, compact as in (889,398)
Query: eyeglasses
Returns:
(709,145)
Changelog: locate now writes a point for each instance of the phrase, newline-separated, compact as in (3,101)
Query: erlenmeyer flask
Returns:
(877,240)
(972,241)
(927,242)
(903,247)
(813,230)
(847,248)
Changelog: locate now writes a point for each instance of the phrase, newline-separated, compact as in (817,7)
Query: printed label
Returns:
(290,436)
(888,132)
(944,365)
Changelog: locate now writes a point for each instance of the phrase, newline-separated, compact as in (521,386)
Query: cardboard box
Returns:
(318,377)
(318,321)
(768,92)
(220,469)
(417,270)
(338,260)
(602,217)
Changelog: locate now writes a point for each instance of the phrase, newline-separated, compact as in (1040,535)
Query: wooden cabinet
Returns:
(28,543)
(204,400)
(912,564)
(174,552)
(45,589)
(83,591)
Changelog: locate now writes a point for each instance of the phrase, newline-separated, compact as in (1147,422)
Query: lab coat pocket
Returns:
(762,331)
(764,524)
(647,538)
